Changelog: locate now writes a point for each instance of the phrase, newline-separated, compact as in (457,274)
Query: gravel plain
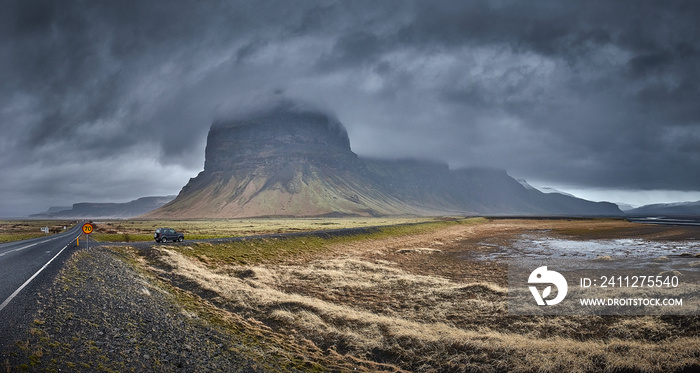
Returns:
(102,315)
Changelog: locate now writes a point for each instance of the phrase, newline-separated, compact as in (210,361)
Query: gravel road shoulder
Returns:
(102,315)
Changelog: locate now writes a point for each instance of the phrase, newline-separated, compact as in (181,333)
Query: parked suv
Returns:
(168,234)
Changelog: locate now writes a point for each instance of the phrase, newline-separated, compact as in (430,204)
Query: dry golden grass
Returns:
(408,304)
(419,322)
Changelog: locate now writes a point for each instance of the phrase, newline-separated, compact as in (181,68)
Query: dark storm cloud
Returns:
(589,93)
(626,76)
(80,62)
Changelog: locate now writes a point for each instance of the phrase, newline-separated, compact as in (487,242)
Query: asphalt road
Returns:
(26,267)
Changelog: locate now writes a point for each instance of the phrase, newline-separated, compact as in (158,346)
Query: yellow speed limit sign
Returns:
(87,228)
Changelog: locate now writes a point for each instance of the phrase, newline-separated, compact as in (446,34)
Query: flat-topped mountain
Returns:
(284,162)
(292,162)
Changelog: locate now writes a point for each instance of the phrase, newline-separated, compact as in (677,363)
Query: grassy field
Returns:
(142,230)
(15,230)
(409,298)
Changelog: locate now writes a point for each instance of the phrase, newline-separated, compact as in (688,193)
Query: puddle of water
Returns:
(531,246)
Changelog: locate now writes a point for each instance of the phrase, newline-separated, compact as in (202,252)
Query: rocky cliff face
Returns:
(279,137)
(290,162)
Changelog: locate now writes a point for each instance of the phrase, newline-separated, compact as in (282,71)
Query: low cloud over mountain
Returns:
(291,161)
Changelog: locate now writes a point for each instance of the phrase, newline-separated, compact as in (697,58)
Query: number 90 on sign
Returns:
(87,228)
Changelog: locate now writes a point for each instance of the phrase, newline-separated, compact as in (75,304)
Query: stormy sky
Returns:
(108,101)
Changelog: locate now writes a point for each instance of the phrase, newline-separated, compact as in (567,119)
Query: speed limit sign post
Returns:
(87,229)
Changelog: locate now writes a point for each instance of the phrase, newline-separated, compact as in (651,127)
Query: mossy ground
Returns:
(268,250)
(142,230)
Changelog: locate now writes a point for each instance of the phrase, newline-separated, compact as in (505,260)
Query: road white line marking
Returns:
(11,297)
(26,247)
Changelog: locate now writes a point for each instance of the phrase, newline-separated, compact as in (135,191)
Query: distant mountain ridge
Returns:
(669,209)
(91,210)
(293,162)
